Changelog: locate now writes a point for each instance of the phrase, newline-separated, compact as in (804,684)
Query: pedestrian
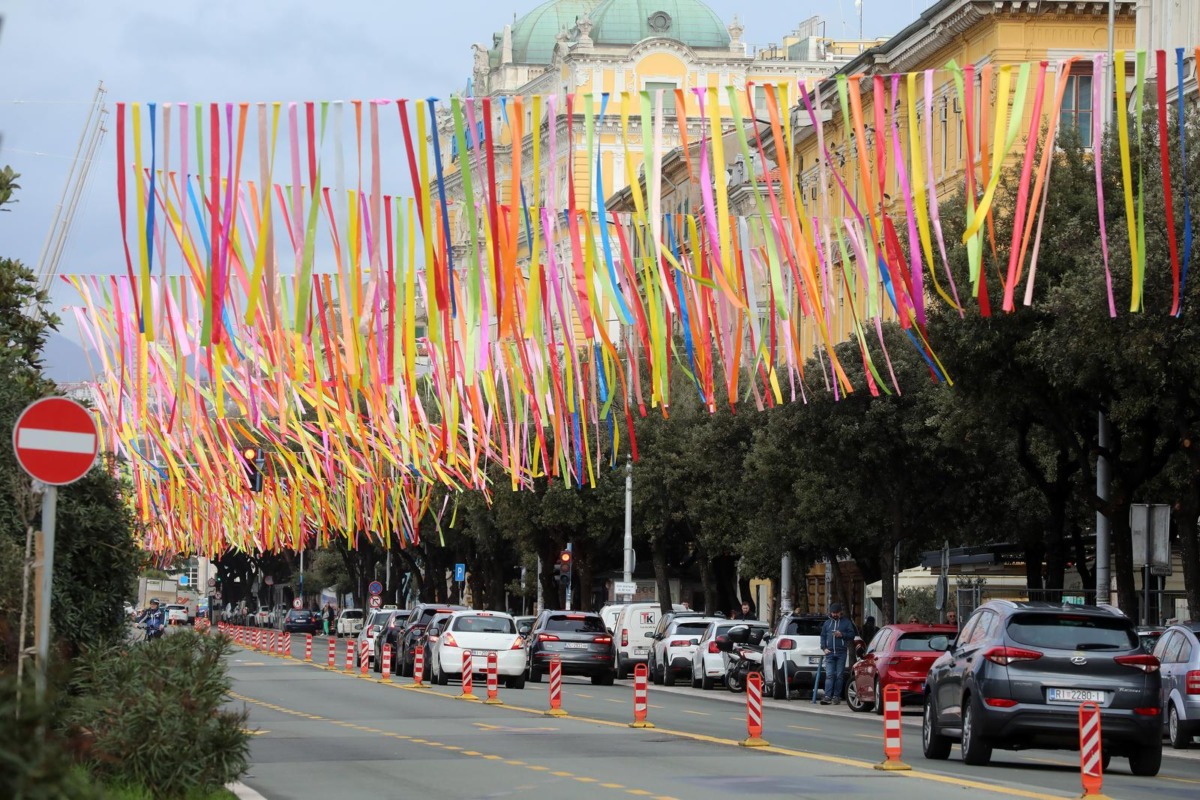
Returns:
(869,629)
(952,618)
(743,614)
(913,620)
(326,616)
(837,634)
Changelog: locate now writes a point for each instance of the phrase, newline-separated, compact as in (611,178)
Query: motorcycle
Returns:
(745,648)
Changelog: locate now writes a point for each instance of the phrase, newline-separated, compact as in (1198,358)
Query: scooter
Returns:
(745,649)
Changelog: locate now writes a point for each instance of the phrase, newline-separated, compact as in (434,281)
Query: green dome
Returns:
(533,35)
(627,22)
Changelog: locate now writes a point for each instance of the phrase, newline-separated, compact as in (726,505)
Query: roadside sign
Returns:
(212,582)
(460,572)
(621,588)
(56,440)
(297,604)
(183,580)
(375,588)
(375,602)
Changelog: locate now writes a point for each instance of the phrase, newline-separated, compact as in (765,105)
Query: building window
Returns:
(668,100)
(1077,106)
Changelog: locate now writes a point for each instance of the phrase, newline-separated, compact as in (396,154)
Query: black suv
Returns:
(579,639)
(413,629)
(1017,674)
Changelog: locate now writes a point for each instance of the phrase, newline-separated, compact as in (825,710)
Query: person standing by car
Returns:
(744,613)
(837,634)
(869,629)
(327,617)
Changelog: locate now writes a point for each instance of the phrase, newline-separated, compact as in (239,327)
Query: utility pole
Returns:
(785,584)
(1103,527)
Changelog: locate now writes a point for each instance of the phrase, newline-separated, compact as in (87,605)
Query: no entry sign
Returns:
(56,440)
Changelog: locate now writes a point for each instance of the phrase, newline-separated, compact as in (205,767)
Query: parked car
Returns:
(414,628)
(177,614)
(525,625)
(674,644)
(388,633)
(376,620)
(579,639)
(1017,673)
(634,622)
(301,620)
(710,663)
(348,623)
(1178,651)
(481,633)
(279,614)
(793,655)
(1149,635)
(428,639)
(897,655)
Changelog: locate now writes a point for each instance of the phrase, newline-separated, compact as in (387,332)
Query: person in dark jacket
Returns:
(744,613)
(837,637)
(869,629)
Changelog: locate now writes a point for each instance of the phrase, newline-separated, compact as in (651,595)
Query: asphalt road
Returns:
(325,734)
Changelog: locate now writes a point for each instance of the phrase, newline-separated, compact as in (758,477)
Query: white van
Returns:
(631,635)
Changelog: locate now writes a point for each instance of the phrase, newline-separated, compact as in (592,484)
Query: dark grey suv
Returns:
(1016,675)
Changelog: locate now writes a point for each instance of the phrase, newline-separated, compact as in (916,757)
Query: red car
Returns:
(898,655)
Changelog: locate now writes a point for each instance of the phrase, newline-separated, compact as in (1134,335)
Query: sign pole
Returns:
(49,519)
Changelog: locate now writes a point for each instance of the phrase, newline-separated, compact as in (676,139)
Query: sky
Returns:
(53,54)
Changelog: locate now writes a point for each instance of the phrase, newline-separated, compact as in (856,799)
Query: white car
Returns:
(635,624)
(481,632)
(793,656)
(609,614)
(349,622)
(262,617)
(177,614)
(673,647)
(710,664)
(370,632)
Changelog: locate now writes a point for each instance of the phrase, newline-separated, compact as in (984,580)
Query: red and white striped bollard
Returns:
(891,730)
(754,712)
(493,680)
(286,647)
(364,658)
(418,666)
(385,667)
(349,656)
(1091,757)
(641,703)
(556,709)
(333,653)
(468,676)
(308,647)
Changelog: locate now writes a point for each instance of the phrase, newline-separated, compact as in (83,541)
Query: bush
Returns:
(34,763)
(150,714)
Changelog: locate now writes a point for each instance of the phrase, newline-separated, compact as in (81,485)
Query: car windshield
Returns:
(916,642)
(1072,632)
(798,626)
(575,623)
(696,629)
(352,615)
(484,625)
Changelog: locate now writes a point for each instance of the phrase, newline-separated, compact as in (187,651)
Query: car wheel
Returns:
(656,675)
(878,698)
(607,679)
(668,676)
(441,678)
(535,675)
(778,689)
(1177,731)
(1146,760)
(695,679)
(517,682)
(933,744)
(976,751)
(853,699)
(621,670)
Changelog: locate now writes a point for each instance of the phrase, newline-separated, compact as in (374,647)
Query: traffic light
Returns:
(252,465)
(564,567)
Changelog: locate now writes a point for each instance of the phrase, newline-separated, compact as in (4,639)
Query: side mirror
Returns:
(524,629)
(940,643)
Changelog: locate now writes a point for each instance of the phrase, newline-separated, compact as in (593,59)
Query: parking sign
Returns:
(460,572)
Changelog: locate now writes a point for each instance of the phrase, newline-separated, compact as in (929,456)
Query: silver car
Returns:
(1178,650)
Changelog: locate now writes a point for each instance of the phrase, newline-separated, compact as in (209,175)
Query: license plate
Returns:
(1076,696)
(814,659)
(577,646)
(641,651)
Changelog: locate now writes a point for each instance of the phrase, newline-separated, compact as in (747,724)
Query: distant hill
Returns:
(66,361)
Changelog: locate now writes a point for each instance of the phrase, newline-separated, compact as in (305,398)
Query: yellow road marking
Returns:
(829,759)
(1178,780)
(640,792)
(515,763)
(471,753)
(585,779)
(800,727)
(562,774)
(697,713)
(612,786)
(581,694)
(539,768)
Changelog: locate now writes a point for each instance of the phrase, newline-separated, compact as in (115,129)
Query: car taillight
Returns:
(449,641)
(519,644)
(1192,682)
(624,637)
(712,647)
(547,637)
(787,644)
(1143,661)
(1000,702)
(1010,655)
(1148,711)
(603,640)
(680,642)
